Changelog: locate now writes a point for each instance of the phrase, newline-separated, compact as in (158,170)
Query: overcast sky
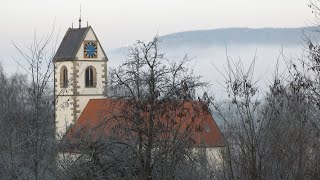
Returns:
(120,22)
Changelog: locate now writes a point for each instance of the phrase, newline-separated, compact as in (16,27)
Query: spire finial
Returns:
(80,18)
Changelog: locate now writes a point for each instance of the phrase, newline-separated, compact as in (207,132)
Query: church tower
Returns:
(80,74)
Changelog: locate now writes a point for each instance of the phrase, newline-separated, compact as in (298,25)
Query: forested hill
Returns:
(232,36)
(272,36)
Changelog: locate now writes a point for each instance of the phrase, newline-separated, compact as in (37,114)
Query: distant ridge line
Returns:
(237,35)
(238,28)
(234,36)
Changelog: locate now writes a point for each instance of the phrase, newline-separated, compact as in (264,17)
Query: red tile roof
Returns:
(106,117)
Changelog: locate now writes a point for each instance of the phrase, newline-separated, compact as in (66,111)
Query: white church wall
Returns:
(215,156)
(63,114)
(63,101)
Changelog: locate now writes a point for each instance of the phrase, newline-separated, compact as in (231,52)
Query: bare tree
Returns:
(272,135)
(27,120)
(152,120)
(155,88)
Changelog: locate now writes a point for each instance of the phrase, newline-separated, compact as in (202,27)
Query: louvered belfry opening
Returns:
(90,77)
(64,77)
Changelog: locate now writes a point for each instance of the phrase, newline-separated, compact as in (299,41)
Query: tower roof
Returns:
(71,43)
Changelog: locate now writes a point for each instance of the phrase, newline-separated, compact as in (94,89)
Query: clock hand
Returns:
(88,50)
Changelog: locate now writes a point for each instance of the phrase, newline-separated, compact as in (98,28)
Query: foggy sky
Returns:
(121,22)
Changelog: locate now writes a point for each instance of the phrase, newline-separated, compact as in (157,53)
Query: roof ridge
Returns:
(103,117)
(71,43)
(60,47)
(82,39)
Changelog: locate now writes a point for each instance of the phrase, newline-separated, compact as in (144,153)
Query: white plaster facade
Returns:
(214,155)
(71,100)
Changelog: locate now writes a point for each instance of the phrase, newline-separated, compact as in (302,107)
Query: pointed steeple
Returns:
(80,18)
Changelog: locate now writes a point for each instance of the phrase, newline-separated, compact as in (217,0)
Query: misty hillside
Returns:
(231,36)
(209,50)
(235,36)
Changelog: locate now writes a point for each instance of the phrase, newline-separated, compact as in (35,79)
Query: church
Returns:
(80,74)
(81,101)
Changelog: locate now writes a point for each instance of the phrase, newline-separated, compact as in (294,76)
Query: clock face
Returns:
(90,50)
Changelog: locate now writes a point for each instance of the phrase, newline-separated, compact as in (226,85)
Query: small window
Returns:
(90,77)
(64,77)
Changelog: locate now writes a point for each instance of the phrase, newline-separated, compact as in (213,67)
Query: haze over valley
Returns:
(210,49)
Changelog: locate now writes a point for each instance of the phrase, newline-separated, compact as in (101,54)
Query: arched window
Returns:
(90,77)
(64,77)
